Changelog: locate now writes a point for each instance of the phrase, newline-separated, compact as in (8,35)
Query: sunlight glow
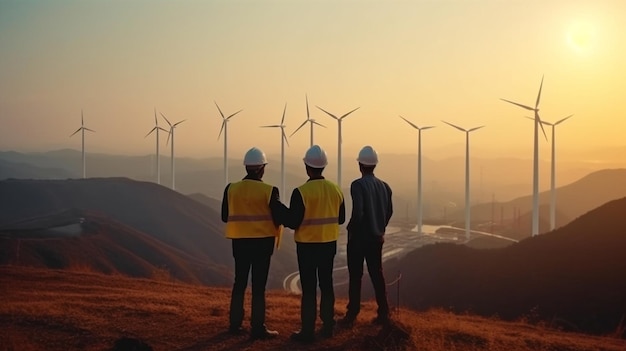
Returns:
(581,36)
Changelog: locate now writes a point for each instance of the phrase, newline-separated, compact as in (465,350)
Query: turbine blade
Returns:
(168,137)
(319,124)
(82,121)
(475,128)
(452,125)
(179,122)
(272,126)
(345,115)
(539,94)
(85,128)
(428,127)
(520,105)
(156,121)
(537,119)
(407,121)
(221,130)
(152,130)
(282,121)
(532,119)
(563,120)
(328,113)
(284,136)
(218,108)
(229,117)
(307,107)
(77,130)
(166,120)
(297,129)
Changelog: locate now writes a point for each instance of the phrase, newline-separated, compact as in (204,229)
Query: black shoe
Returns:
(263,334)
(381,320)
(303,337)
(327,331)
(235,330)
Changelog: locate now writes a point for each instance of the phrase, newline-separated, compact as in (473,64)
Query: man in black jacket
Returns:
(371,212)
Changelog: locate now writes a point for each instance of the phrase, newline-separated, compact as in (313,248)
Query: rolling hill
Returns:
(133,218)
(572,277)
(573,200)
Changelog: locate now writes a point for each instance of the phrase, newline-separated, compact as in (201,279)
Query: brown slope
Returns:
(63,310)
(104,245)
(573,276)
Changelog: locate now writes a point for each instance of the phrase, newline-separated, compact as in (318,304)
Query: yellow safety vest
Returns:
(249,214)
(322,200)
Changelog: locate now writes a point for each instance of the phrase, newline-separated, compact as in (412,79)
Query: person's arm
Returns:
(342,212)
(296,210)
(225,205)
(279,211)
(389,206)
(357,207)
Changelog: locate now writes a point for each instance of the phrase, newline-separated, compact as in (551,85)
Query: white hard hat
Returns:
(254,157)
(315,157)
(368,156)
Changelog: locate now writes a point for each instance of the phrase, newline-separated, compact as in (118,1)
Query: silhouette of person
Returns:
(371,212)
(317,208)
(253,215)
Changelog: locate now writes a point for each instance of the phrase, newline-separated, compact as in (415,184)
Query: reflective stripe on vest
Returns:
(322,200)
(249,213)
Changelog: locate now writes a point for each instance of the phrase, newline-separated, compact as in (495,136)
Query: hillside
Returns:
(62,310)
(572,277)
(573,200)
(130,215)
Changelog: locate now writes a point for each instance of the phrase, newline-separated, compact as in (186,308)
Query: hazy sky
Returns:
(425,60)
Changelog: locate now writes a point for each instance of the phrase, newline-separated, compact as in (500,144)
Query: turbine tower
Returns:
(171,134)
(535,224)
(83,129)
(467,171)
(224,128)
(419,173)
(552,174)
(156,130)
(309,120)
(339,119)
(283,140)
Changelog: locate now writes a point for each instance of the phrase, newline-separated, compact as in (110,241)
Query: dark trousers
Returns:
(252,253)
(315,261)
(360,250)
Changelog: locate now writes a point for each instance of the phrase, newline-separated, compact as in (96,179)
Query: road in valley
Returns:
(398,242)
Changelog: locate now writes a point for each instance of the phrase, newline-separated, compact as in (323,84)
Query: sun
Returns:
(580,36)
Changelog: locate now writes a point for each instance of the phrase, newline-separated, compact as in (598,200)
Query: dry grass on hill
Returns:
(64,310)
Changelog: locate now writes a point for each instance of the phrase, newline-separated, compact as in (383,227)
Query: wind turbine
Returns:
(467,182)
(309,120)
(283,140)
(339,119)
(156,129)
(552,174)
(83,129)
(171,134)
(419,172)
(225,129)
(535,224)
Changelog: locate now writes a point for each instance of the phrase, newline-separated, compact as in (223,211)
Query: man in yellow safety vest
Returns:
(316,210)
(254,216)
